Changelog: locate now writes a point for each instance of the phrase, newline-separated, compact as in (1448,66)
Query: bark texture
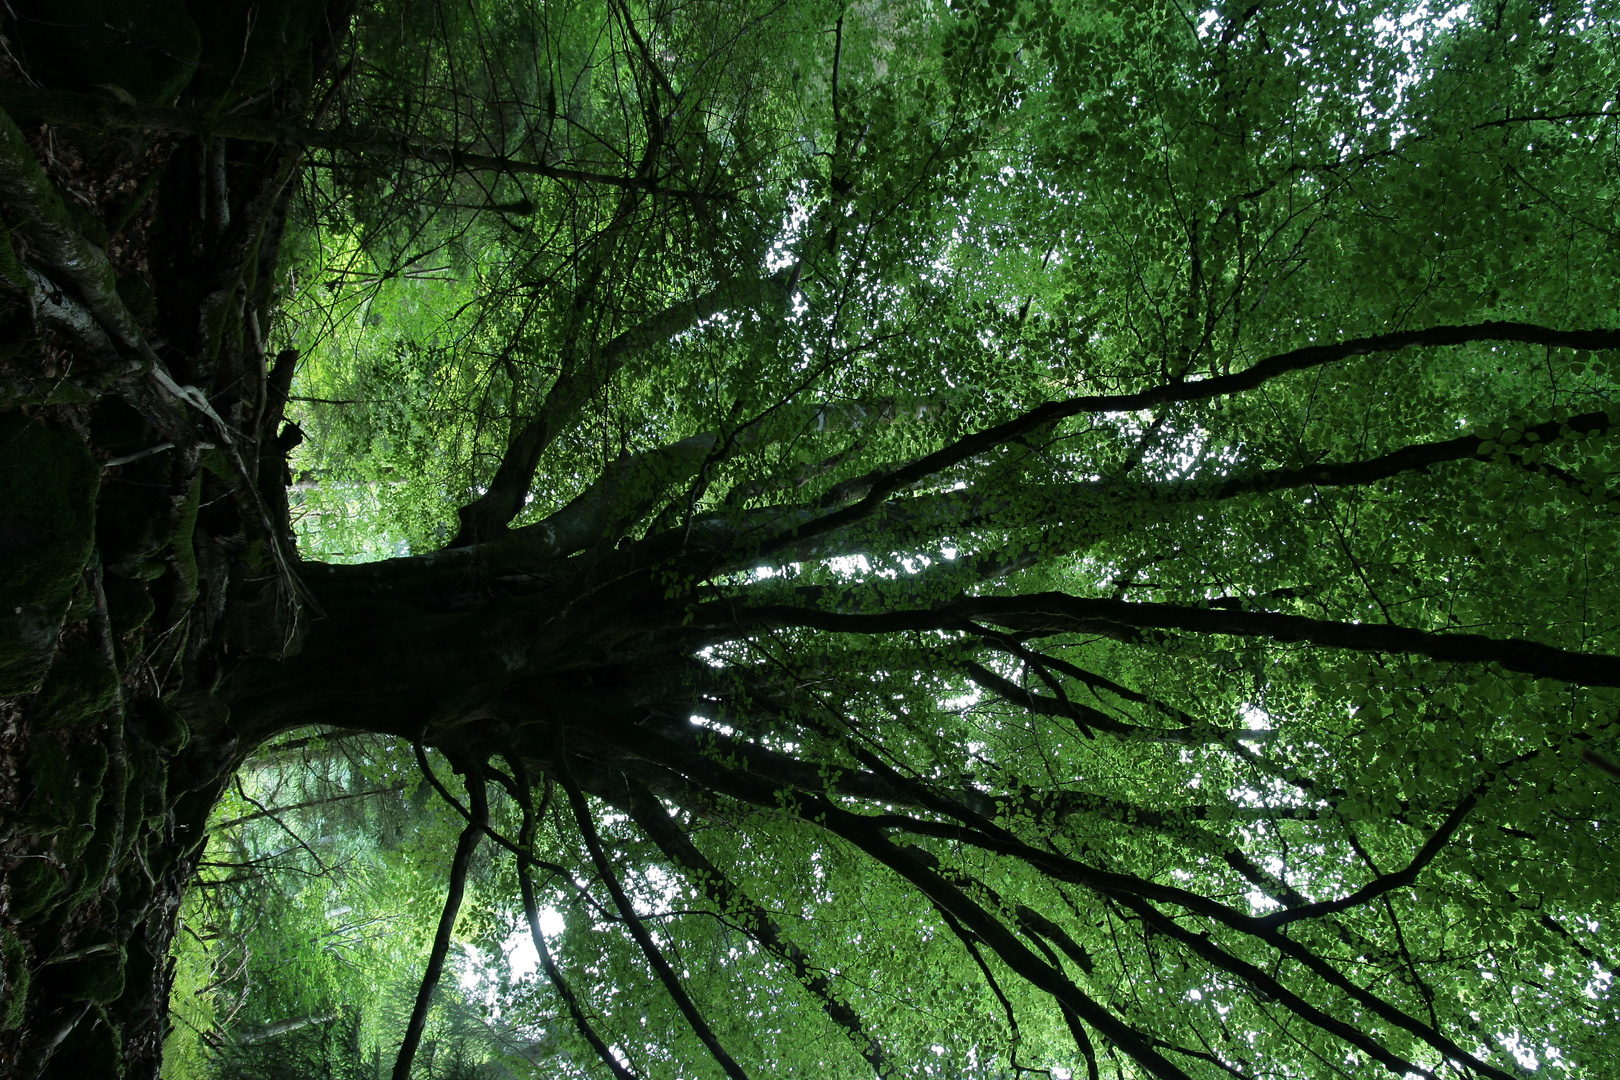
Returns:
(144,549)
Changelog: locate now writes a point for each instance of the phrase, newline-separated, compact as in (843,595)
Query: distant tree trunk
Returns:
(284,1027)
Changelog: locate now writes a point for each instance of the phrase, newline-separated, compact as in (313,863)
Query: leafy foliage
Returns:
(1073,539)
(939,540)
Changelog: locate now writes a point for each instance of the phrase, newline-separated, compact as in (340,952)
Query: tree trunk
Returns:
(142,512)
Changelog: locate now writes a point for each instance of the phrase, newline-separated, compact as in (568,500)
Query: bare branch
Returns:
(1058,613)
(305,805)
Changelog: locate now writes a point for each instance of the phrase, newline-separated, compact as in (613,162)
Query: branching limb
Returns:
(1084,717)
(1079,714)
(646,811)
(623,494)
(1411,458)
(1591,955)
(1009,691)
(484,518)
(787,772)
(638,930)
(460,862)
(1077,1030)
(1059,613)
(274,814)
(519,851)
(1400,879)
(1263,982)
(57,241)
(1256,375)
(581,1022)
(922,517)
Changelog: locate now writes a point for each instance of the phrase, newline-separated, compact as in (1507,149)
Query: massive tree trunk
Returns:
(158,622)
(143,524)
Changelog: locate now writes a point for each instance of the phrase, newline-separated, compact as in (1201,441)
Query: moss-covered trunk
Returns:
(143,532)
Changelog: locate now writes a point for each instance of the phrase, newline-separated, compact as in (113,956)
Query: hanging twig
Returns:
(271,814)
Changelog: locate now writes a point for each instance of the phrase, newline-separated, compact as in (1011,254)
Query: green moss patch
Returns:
(132,521)
(140,967)
(96,859)
(98,977)
(13,980)
(67,789)
(260,622)
(35,886)
(129,604)
(162,725)
(137,296)
(185,551)
(80,688)
(199,710)
(93,1049)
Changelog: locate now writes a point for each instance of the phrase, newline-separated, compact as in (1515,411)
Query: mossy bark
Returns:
(122,559)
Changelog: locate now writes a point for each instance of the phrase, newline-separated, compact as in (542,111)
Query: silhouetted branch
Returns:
(460,862)
(638,930)
(1059,613)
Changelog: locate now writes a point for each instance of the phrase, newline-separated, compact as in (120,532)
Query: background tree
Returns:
(1027,538)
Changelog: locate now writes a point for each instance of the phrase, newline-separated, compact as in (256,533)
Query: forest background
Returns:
(884,538)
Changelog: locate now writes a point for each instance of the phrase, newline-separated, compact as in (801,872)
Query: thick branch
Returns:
(1407,459)
(582,1023)
(1057,613)
(921,518)
(1265,983)
(1398,879)
(271,812)
(1220,386)
(1050,706)
(623,494)
(1015,1037)
(638,930)
(484,518)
